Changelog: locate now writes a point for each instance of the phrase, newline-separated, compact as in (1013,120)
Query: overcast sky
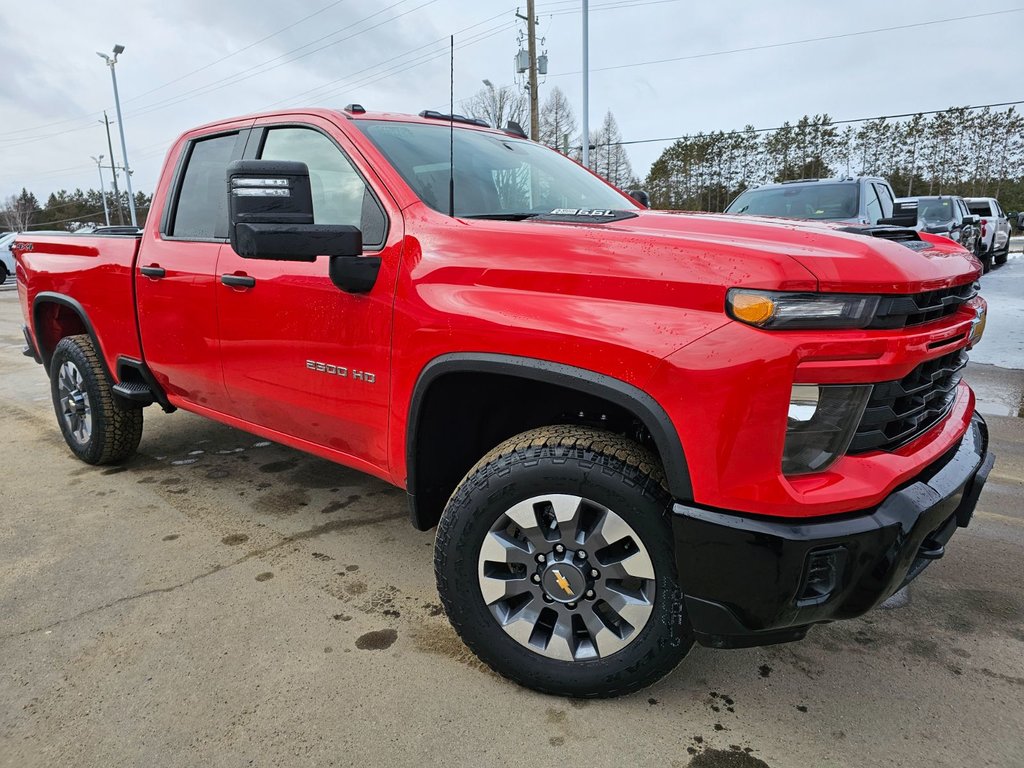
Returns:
(193,61)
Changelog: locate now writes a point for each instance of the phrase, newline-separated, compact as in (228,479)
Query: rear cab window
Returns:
(982,208)
(200,209)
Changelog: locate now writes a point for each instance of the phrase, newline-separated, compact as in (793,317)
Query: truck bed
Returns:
(57,272)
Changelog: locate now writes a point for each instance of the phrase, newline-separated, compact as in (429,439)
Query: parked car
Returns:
(634,430)
(995,228)
(948,216)
(859,200)
(6,256)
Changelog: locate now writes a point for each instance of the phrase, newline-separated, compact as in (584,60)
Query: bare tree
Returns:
(557,121)
(609,158)
(18,211)
(497,105)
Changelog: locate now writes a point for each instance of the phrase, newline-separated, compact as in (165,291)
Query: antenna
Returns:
(451,132)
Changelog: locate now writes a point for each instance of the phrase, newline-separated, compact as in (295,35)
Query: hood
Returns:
(840,260)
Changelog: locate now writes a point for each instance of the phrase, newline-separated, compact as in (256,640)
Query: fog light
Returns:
(821,423)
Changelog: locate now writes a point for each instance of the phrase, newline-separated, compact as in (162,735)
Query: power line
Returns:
(237,51)
(830,123)
(251,72)
(244,74)
(793,42)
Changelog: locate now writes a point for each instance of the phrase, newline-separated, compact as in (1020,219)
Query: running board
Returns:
(135,391)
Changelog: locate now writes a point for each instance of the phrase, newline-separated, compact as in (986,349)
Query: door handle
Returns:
(153,271)
(238,281)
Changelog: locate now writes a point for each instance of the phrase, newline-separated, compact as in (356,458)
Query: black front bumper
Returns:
(755,581)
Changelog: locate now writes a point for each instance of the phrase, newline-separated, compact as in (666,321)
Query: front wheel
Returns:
(98,428)
(555,564)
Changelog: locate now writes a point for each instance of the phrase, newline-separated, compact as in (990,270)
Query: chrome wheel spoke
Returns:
(636,565)
(606,641)
(631,605)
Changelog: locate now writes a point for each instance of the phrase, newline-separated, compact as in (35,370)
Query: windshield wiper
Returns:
(501,216)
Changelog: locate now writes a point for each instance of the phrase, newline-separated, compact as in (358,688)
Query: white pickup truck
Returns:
(995,228)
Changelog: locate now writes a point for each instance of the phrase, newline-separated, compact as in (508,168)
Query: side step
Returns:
(135,391)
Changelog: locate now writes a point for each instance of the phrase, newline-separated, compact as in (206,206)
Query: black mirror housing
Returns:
(641,196)
(270,207)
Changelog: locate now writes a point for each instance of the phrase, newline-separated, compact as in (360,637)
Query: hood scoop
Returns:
(902,235)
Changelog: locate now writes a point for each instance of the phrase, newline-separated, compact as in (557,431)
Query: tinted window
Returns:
(340,196)
(885,198)
(799,201)
(202,212)
(871,204)
(935,210)
(980,209)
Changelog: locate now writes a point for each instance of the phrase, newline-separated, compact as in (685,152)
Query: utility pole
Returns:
(112,63)
(586,84)
(531,47)
(113,171)
(103,188)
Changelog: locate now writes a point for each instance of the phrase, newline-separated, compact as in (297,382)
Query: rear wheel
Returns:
(1003,255)
(97,426)
(555,564)
(3,273)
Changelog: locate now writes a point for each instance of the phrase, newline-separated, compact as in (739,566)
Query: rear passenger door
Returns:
(176,272)
(300,355)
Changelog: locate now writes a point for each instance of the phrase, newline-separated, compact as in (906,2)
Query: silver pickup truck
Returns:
(995,228)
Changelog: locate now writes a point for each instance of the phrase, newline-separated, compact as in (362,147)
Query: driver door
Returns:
(300,355)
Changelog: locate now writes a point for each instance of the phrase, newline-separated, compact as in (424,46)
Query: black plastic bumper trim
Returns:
(30,346)
(743,574)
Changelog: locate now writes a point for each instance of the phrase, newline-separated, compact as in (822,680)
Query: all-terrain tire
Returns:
(114,429)
(1003,255)
(600,468)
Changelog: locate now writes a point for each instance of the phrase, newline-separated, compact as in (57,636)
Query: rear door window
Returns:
(201,212)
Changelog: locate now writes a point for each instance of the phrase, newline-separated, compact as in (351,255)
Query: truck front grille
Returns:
(919,308)
(899,411)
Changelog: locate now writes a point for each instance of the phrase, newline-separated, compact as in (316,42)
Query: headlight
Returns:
(821,424)
(773,309)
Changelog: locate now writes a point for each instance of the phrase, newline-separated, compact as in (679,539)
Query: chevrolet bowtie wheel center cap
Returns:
(563,582)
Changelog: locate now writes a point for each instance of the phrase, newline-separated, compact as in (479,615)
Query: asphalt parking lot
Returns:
(224,601)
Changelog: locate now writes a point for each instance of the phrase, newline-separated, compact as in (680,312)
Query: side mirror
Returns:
(903,215)
(641,197)
(270,209)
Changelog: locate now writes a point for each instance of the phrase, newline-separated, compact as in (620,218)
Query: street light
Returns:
(118,50)
(103,189)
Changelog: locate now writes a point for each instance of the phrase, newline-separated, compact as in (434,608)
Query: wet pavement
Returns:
(221,600)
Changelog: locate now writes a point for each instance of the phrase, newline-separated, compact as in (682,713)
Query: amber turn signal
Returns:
(752,308)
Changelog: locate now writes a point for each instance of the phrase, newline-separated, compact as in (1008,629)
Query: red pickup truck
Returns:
(633,430)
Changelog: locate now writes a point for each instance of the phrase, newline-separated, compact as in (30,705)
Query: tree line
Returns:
(69,211)
(960,151)
(558,129)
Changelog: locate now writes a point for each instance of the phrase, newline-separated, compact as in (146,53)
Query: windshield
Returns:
(495,175)
(935,211)
(805,201)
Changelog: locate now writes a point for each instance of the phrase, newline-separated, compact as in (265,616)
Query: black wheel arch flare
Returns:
(631,398)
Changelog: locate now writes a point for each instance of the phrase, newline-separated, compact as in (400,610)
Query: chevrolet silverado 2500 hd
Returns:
(634,430)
